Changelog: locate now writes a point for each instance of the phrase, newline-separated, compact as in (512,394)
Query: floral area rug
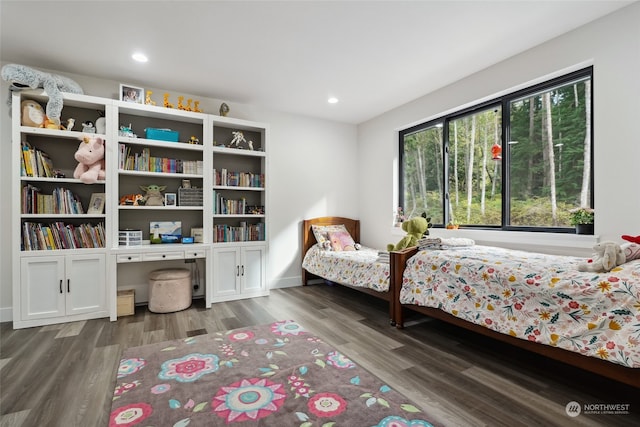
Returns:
(270,375)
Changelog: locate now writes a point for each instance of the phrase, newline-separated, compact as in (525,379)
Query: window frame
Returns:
(503,102)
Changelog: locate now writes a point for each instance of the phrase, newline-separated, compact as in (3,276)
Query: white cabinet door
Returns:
(42,287)
(226,272)
(59,286)
(85,284)
(252,270)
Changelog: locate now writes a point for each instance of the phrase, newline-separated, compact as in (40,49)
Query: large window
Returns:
(522,161)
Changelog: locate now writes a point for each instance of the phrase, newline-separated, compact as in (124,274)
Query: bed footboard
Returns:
(397,263)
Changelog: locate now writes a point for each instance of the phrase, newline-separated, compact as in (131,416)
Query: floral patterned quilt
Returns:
(268,375)
(532,296)
(359,268)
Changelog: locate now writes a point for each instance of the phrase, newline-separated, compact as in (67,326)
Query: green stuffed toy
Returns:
(415,229)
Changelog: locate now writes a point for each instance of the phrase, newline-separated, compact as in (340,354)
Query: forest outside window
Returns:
(519,162)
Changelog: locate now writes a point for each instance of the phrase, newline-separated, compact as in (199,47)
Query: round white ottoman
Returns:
(169,290)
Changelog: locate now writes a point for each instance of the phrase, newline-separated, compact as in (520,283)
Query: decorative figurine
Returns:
(180,106)
(70,124)
(238,137)
(188,107)
(167,104)
(148,100)
(196,107)
(224,109)
(88,127)
(193,140)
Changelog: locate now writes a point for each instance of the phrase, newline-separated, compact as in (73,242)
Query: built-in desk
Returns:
(155,255)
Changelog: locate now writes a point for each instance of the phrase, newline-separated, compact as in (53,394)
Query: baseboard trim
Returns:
(6,314)
(286,282)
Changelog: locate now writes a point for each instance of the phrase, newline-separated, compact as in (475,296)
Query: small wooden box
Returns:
(126,300)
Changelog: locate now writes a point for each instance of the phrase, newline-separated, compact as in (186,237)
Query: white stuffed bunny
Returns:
(607,256)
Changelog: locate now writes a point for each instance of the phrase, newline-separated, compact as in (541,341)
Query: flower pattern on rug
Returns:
(327,405)
(249,399)
(339,360)
(287,328)
(130,366)
(130,415)
(189,368)
(273,375)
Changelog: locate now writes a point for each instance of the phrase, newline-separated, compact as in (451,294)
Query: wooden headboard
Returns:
(308,239)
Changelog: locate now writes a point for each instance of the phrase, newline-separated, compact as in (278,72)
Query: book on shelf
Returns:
(61,201)
(225,178)
(242,233)
(143,161)
(35,163)
(58,235)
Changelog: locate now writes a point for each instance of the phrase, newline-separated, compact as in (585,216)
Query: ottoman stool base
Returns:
(169,290)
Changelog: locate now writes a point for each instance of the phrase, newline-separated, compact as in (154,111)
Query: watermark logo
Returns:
(573,409)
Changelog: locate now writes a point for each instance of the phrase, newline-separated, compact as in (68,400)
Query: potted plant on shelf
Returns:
(582,219)
(452,225)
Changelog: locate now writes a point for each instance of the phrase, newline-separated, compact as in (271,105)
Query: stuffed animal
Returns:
(153,196)
(632,248)
(90,157)
(415,229)
(23,77)
(32,114)
(607,256)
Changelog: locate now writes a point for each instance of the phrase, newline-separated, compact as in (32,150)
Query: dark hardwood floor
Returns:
(64,375)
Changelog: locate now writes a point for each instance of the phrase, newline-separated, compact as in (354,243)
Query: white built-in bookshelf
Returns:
(69,259)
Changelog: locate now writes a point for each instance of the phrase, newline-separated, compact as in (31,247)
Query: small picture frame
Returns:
(132,94)
(96,204)
(170,199)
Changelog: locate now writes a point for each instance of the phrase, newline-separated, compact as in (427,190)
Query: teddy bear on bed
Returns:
(415,228)
(607,256)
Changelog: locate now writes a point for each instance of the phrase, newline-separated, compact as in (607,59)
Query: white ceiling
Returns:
(286,55)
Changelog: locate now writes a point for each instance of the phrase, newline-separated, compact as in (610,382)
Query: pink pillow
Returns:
(341,241)
(631,251)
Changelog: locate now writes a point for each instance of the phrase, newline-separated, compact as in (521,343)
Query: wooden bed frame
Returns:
(353,226)
(614,371)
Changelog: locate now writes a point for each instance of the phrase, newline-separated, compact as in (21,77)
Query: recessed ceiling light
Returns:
(332,100)
(140,57)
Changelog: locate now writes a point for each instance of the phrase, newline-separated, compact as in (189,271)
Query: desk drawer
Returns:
(160,256)
(195,253)
(129,258)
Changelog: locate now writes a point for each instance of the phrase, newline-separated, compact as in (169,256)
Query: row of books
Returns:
(61,201)
(35,163)
(243,233)
(58,235)
(144,162)
(237,179)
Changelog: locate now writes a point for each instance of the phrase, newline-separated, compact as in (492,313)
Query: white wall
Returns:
(612,45)
(312,172)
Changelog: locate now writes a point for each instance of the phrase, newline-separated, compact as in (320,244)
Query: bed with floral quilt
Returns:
(537,301)
(331,251)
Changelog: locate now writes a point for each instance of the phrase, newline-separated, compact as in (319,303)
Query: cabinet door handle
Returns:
(60,285)
(243,270)
(237,270)
(164,256)
(68,285)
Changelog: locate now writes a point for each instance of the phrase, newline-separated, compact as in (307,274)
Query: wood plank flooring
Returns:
(64,375)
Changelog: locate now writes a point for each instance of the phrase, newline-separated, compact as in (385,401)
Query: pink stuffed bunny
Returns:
(90,156)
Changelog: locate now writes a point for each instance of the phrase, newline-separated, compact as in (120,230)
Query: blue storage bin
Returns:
(162,134)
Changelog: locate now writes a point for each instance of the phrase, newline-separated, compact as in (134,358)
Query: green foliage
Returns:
(535,198)
(581,216)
